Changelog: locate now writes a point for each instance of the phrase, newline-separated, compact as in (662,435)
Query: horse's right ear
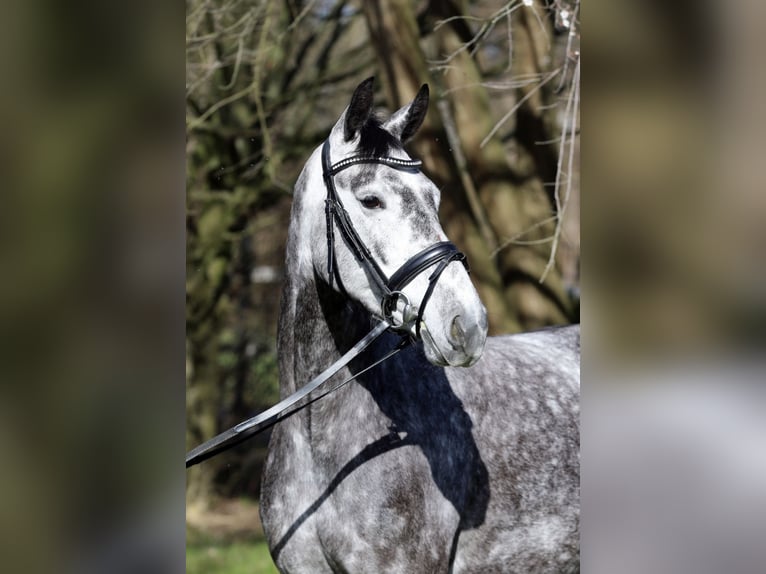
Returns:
(359,109)
(406,121)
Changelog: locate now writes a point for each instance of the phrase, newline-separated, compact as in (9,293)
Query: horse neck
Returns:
(316,324)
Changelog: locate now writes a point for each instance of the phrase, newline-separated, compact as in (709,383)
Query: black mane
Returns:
(375,141)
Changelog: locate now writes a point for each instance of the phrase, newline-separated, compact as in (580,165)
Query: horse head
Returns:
(391,255)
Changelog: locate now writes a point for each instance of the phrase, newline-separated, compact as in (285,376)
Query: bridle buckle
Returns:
(398,311)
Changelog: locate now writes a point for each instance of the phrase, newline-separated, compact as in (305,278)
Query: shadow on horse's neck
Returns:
(411,396)
(316,326)
(347,321)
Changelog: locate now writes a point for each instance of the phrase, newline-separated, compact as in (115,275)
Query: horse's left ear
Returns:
(406,121)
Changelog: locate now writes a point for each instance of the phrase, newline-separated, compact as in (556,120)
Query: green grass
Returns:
(227,539)
(234,558)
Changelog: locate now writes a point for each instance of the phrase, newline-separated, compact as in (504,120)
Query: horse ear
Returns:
(404,123)
(359,109)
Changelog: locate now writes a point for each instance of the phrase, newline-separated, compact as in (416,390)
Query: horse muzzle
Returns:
(460,344)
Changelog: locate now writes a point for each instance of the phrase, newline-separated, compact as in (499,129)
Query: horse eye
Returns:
(372,202)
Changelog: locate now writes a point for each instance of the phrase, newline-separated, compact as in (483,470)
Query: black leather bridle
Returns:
(440,254)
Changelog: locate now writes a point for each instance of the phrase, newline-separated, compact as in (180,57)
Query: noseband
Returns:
(440,254)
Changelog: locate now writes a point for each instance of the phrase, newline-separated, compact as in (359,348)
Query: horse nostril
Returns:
(457,332)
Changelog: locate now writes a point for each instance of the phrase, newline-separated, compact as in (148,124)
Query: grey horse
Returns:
(460,453)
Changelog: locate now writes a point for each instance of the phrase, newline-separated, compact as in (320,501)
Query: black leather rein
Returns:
(440,254)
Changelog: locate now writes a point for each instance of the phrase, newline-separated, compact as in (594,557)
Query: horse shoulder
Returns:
(522,398)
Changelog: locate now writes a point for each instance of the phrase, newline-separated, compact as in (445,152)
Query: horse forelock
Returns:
(374,141)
